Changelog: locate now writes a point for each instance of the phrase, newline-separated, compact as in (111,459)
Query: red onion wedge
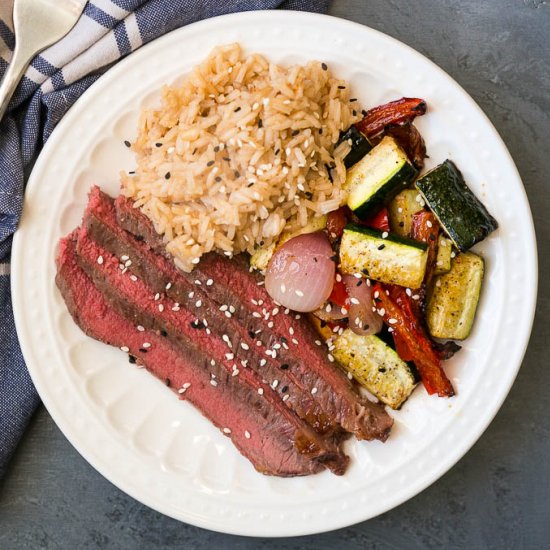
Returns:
(300,274)
(362,320)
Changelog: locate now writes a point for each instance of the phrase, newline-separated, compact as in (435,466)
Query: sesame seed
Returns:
(140,328)
(318,342)
(350,376)
(133,278)
(195,260)
(198,303)
(146,345)
(230,356)
(125,348)
(261,391)
(226,431)
(100,260)
(416,297)
(227,314)
(381,312)
(392,321)
(429,223)
(313,391)
(290,331)
(275,384)
(210,282)
(245,346)
(270,324)
(354,301)
(176,308)
(232,309)
(294,341)
(168,286)
(247,434)
(161,308)
(275,311)
(285,397)
(297,316)
(385,235)
(212,362)
(224,307)
(256,314)
(213,383)
(157,296)
(330,358)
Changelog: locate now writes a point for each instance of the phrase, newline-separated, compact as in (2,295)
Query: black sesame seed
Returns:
(320,131)
(295,132)
(382,370)
(334,257)
(197,324)
(365,271)
(284,389)
(167,382)
(127,143)
(323,324)
(260,123)
(252,334)
(237,174)
(341,87)
(381,247)
(352,354)
(250,184)
(324,66)
(315,259)
(139,238)
(284,340)
(158,144)
(210,163)
(236,110)
(131,359)
(227,159)
(277,151)
(262,243)
(401,224)
(284,366)
(143,350)
(218,179)
(378,300)
(364,113)
(132,172)
(216,149)
(432,237)
(354,112)
(353,99)
(359,282)
(163,333)
(308,194)
(366,327)
(167,176)
(194,151)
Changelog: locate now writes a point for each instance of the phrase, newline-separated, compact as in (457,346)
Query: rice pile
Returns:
(239,151)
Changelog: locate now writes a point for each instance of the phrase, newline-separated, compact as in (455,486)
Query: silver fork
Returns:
(37,24)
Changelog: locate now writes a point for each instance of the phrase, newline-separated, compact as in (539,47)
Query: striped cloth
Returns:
(107,31)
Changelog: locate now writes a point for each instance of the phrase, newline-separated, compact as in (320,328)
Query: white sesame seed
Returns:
(328,308)
(227,314)
(453,254)
(261,391)
(125,348)
(277,346)
(357,275)
(197,282)
(224,307)
(285,396)
(392,321)
(168,286)
(176,308)
(354,301)
(133,278)
(338,277)
(213,383)
(290,331)
(263,362)
(385,235)
(127,263)
(408,292)
(275,384)
(247,434)
(416,297)
(157,296)
(212,362)
(350,376)
(399,209)
(245,346)
(100,260)
(195,261)
(318,342)
(270,324)
(124,257)
(275,311)
(313,391)
(226,431)
(209,282)
(140,328)
(330,358)
(198,303)
(232,309)
(255,106)
(297,316)
(294,341)
(429,223)
(230,356)
(381,312)
(146,345)
(161,308)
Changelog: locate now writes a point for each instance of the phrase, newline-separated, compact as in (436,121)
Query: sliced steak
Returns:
(307,357)
(184,329)
(260,433)
(257,348)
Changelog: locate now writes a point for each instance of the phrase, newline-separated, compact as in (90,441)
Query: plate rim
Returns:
(462,447)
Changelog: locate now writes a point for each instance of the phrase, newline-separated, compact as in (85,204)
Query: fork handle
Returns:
(15,71)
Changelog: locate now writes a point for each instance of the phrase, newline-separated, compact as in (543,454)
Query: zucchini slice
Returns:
(384,257)
(359,144)
(378,177)
(459,211)
(443,258)
(375,366)
(261,256)
(454,297)
(402,209)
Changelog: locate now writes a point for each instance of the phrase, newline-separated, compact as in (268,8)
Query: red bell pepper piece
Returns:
(398,313)
(336,221)
(400,111)
(379,221)
(401,347)
(339,294)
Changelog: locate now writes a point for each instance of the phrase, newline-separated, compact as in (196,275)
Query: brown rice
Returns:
(241,149)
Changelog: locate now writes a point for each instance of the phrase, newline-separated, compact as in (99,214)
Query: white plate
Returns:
(161,451)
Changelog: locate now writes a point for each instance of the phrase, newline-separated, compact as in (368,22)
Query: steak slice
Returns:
(183,329)
(262,435)
(160,275)
(307,358)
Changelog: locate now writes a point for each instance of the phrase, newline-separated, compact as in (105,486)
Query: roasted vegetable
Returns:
(454,296)
(260,259)
(378,177)
(425,228)
(359,144)
(399,315)
(459,211)
(402,209)
(410,141)
(336,222)
(375,366)
(400,111)
(382,256)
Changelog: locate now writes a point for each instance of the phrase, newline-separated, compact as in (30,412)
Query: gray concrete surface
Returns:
(497,496)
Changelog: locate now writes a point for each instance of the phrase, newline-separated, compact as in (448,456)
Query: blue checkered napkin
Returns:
(107,31)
